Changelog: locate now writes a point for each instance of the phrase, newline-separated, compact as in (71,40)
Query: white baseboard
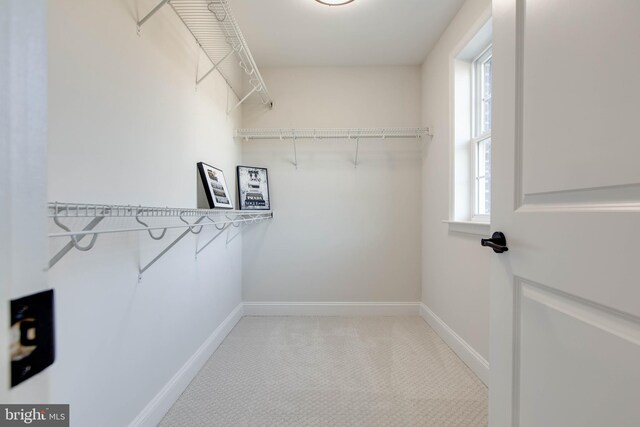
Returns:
(162,402)
(331,308)
(469,356)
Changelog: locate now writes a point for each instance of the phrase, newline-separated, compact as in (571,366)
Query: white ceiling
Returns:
(365,32)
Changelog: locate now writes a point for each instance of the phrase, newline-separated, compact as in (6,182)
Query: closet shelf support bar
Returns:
(151,13)
(165,250)
(67,248)
(212,239)
(255,88)
(215,66)
(229,240)
(355,161)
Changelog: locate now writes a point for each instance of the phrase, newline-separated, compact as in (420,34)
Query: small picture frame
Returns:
(253,188)
(215,187)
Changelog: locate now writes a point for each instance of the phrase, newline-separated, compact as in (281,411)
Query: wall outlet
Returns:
(32,335)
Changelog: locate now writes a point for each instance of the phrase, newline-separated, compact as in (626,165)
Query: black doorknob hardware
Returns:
(497,242)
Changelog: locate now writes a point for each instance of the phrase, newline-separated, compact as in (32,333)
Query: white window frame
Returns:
(477,135)
(462,120)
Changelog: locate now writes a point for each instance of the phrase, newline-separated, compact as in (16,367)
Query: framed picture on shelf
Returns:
(215,187)
(253,188)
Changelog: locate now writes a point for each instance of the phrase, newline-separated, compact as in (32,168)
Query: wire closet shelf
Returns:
(212,24)
(332,133)
(193,220)
(349,134)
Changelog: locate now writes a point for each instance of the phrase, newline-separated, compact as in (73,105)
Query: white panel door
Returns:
(565,298)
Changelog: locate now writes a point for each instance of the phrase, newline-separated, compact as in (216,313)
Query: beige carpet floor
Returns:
(332,371)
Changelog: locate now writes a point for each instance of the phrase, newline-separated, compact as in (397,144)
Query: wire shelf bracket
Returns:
(355,160)
(215,29)
(295,153)
(185,233)
(73,243)
(150,14)
(229,240)
(221,219)
(220,231)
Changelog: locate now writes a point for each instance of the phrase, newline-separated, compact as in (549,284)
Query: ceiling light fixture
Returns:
(334,2)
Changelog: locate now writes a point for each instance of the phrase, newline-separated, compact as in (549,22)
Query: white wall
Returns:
(126,126)
(455,269)
(340,233)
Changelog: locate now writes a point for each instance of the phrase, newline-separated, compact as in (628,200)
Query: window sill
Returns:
(469,227)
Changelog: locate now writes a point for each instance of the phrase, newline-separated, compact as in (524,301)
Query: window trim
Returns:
(476,228)
(461,156)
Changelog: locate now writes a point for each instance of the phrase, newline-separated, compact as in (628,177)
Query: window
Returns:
(470,132)
(481,134)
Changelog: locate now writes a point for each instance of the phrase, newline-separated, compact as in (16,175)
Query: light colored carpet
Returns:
(332,371)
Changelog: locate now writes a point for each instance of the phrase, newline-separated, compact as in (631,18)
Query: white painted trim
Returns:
(455,52)
(276,308)
(477,228)
(469,356)
(166,397)
(23,176)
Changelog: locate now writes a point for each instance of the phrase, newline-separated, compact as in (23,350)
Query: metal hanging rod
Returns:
(220,219)
(212,24)
(345,133)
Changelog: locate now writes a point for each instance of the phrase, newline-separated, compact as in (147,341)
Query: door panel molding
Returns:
(613,322)
(623,325)
(518,284)
(519,107)
(622,198)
